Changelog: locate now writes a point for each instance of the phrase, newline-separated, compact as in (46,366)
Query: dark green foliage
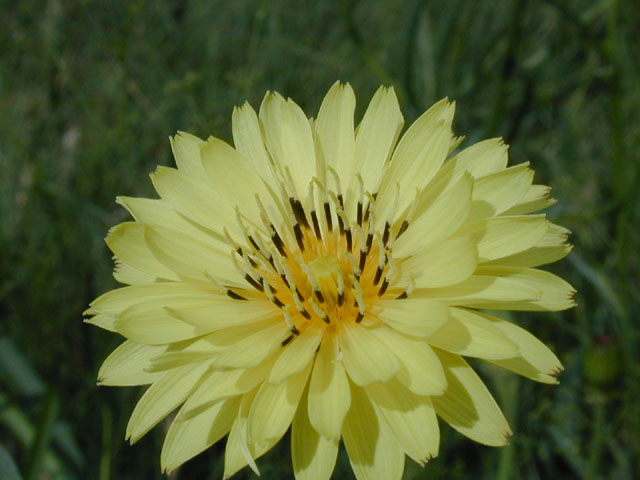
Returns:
(90,91)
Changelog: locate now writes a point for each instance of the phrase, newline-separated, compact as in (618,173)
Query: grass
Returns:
(90,91)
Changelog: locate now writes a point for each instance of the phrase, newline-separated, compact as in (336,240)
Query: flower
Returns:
(322,277)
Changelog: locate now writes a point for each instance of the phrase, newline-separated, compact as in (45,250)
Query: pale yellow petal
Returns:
(253,347)
(313,456)
(162,398)
(480,159)
(483,291)
(556,294)
(445,215)
(417,316)
(124,273)
(126,365)
(534,257)
(420,370)
(248,141)
(418,156)
(412,419)
(103,320)
(366,357)
(329,393)
(442,264)
(274,406)
(498,192)
(374,452)
(471,335)
(468,406)
(376,136)
(186,150)
(191,258)
(555,236)
(127,242)
(335,139)
(536,198)
(289,139)
(185,439)
(296,355)
(193,198)
(499,237)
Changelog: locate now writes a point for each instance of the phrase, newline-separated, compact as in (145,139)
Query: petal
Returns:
(468,406)
(248,141)
(274,406)
(296,355)
(162,398)
(536,198)
(367,358)
(126,365)
(376,137)
(128,275)
(420,369)
(288,137)
(329,393)
(186,150)
(127,243)
(335,139)
(556,294)
(185,439)
(256,345)
(192,258)
(412,419)
(498,192)
(535,360)
(534,257)
(443,264)
(471,335)
(418,156)
(102,320)
(374,452)
(480,159)
(483,291)
(498,237)
(445,214)
(313,456)
(418,317)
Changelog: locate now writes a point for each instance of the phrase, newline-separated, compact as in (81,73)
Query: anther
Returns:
(287,340)
(385,235)
(299,238)
(383,288)
(319,312)
(234,295)
(298,211)
(327,214)
(403,228)
(277,241)
(316,225)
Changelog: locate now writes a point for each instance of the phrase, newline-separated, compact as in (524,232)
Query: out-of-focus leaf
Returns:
(16,372)
(8,469)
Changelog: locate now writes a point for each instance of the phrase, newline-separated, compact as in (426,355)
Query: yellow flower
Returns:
(322,277)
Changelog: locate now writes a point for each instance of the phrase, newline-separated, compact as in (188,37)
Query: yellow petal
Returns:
(374,452)
(412,419)
(329,393)
(128,275)
(498,192)
(480,159)
(418,156)
(126,365)
(468,406)
(420,370)
(442,264)
(274,406)
(162,398)
(289,139)
(253,348)
(335,139)
(191,258)
(556,294)
(376,137)
(102,320)
(296,355)
(248,141)
(366,357)
(498,237)
(185,439)
(555,236)
(536,198)
(186,150)
(446,214)
(483,291)
(471,335)
(313,456)
(417,316)
(127,243)
(534,361)
(534,257)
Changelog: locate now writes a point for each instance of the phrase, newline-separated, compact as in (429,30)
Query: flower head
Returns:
(329,279)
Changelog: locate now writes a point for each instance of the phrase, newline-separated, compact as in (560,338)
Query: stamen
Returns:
(299,238)
(312,280)
(318,311)
(336,179)
(277,241)
(287,340)
(356,271)
(357,291)
(340,290)
(298,211)
(268,291)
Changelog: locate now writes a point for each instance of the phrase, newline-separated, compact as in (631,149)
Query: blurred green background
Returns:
(90,91)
